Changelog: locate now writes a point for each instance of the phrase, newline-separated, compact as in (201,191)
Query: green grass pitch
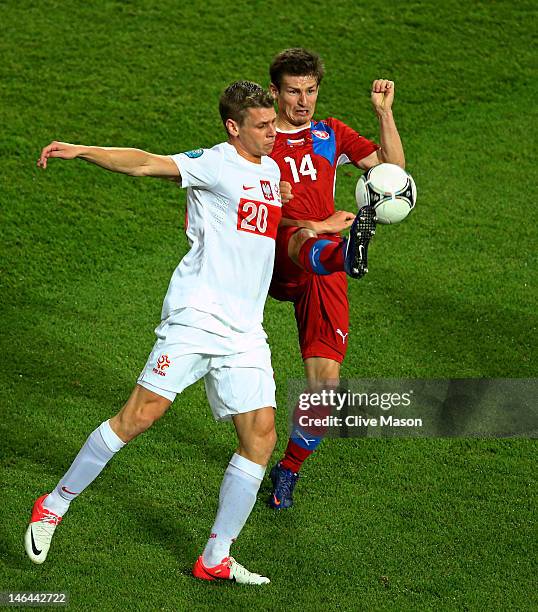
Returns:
(85,259)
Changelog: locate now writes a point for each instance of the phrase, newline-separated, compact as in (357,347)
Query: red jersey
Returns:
(308,159)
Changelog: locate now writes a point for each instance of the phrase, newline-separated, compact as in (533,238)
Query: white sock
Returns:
(101,445)
(238,491)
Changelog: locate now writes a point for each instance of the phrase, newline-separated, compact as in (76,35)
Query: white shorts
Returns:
(234,383)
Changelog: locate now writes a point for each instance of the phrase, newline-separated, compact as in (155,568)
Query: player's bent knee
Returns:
(259,445)
(264,428)
(322,374)
(139,413)
(142,420)
(297,240)
(303,234)
(270,441)
(323,384)
(257,434)
(128,426)
(265,443)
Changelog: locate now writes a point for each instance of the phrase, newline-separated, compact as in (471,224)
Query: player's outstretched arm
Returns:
(134,162)
(391,151)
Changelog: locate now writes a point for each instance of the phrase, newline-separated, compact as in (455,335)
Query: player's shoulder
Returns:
(270,165)
(224,149)
(218,151)
(334,123)
(328,128)
(203,153)
(336,128)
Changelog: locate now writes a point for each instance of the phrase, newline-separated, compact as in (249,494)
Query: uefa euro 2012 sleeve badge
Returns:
(194,153)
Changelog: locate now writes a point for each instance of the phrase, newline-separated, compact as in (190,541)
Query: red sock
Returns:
(330,256)
(294,456)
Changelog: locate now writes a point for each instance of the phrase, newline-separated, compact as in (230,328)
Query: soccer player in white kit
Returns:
(211,324)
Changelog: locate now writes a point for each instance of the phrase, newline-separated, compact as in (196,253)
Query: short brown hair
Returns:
(238,97)
(296,62)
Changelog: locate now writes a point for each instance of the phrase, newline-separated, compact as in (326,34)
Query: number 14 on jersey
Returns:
(306,168)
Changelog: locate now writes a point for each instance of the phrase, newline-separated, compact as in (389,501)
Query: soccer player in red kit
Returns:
(312,260)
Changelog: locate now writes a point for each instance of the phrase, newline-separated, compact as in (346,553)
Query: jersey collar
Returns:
(296,131)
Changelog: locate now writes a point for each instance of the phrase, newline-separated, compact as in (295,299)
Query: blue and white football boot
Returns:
(360,234)
(284,482)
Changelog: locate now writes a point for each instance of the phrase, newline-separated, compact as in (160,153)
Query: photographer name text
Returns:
(357,421)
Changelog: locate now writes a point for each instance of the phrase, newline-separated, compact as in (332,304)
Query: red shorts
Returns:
(321,305)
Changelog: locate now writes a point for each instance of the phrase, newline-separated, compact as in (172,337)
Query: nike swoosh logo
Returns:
(277,501)
(245,188)
(34,548)
(67,491)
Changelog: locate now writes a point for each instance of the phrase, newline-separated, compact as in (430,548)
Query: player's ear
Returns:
(273,90)
(231,127)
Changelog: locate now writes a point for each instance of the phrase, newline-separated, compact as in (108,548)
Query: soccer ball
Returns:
(390,190)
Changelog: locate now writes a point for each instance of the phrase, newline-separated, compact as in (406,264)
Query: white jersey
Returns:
(233,211)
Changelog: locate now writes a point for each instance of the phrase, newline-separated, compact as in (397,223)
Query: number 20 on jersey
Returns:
(258,217)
